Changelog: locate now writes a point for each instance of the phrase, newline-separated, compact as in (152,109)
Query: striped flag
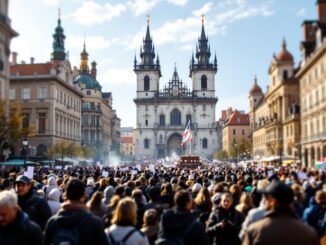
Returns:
(187,135)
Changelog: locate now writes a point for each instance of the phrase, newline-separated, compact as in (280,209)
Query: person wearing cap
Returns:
(15,225)
(280,225)
(36,207)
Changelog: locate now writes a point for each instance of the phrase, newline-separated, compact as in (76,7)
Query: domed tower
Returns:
(148,70)
(255,94)
(202,71)
(58,44)
(282,67)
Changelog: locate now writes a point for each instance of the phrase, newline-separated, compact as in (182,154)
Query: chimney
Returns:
(14,58)
(32,60)
(23,62)
(223,114)
(321,9)
(308,31)
(94,70)
(229,112)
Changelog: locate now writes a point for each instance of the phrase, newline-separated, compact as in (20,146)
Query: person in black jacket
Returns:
(15,226)
(36,207)
(224,223)
(175,221)
(74,215)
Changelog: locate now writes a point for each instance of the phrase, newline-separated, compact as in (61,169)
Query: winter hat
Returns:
(90,182)
(196,187)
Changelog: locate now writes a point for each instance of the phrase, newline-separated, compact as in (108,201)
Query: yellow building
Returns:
(274,116)
(312,76)
(236,128)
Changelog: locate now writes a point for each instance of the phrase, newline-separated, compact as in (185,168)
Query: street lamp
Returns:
(25,145)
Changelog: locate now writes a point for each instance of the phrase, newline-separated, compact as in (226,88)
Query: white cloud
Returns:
(51,2)
(302,12)
(139,7)
(92,42)
(203,10)
(117,76)
(178,2)
(91,13)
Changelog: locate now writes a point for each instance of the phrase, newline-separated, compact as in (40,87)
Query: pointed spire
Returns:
(202,35)
(84,59)
(147,51)
(58,41)
(255,79)
(284,44)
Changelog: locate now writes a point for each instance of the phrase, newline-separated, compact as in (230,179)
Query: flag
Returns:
(187,135)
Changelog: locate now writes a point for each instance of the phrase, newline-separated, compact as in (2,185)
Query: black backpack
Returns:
(124,239)
(176,240)
(68,235)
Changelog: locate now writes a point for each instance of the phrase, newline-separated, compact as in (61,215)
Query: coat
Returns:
(22,231)
(227,235)
(280,227)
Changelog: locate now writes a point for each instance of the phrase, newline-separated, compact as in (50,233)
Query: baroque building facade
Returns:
(162,115)
(6,34)
(312,76)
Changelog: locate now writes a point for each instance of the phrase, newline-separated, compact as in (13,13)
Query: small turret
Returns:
(58,42)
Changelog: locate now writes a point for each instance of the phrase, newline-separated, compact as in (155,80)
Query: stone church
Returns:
(163,114)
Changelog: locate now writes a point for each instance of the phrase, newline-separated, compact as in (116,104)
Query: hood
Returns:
(175,221)
(54,195)
(109,192)
(70,217)
(52,181)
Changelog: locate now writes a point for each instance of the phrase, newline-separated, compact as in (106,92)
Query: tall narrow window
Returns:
(12,94)
(234,132)
(175,117)
(162,120)
(25,120)
(204,143)
(203,82)
(26,93)
(285,75)
(42,93)
(146,83)
(146,143)
(146,122)
(41,122)
(188,118)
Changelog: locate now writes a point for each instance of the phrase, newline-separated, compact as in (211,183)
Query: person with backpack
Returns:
(123,230)
(73,224)
(15,226)
(180,226)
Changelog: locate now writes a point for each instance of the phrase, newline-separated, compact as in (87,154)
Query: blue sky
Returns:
(244,34)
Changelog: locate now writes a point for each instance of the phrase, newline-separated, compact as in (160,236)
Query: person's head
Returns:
(75,190)
(202,196)
(150,217)
(95,201)
(8,207)
(320,198)
(182,199)
(22,185)
(246,200)
(125,213)
(277,195)
(226,201)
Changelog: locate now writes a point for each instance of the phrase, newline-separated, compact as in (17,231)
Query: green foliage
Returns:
(221,155)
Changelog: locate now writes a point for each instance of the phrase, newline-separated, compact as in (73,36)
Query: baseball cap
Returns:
(22,179)
(280,191)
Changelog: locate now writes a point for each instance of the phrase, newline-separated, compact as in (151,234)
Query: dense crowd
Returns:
(213,204)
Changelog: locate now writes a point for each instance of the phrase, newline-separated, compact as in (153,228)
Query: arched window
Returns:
(285,75)
(146,122)
(146,143)
(146,83)
(205,143)
(203,82)
(162,120)
(175,117)
(188,118)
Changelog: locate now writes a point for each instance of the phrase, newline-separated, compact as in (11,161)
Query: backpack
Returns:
(124,239)
(67,235)
(176,240)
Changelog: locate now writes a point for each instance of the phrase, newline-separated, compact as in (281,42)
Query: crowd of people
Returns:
(213,204)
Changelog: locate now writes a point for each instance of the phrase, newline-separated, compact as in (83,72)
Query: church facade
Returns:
(162,115)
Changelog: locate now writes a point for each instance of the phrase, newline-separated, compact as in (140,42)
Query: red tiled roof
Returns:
(126,140)
(233,119)
(31,69)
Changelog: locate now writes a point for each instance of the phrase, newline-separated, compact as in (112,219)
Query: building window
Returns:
(175,117)
(188,118)
(146,83)
(12,94)
(204,143)
(162,120)
(203,82)
(42,93)
(41,122)
(285,75)
(25,120)
(146,143)
(146,122)
(56,95)
(243,132)
(26,93)
(234,132)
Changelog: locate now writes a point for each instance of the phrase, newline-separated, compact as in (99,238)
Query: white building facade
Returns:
(162,115)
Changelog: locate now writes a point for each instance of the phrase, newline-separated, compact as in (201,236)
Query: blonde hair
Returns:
(126,213)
